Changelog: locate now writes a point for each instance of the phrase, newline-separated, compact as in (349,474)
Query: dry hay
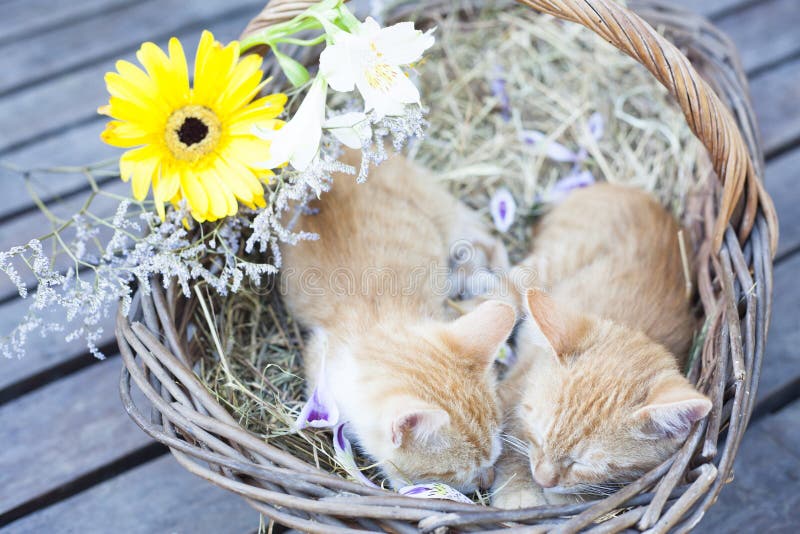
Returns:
(556,76)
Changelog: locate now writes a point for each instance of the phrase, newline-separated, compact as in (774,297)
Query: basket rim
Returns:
(735,345)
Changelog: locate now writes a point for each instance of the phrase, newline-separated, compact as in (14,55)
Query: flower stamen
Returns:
(381,76)
(192,132)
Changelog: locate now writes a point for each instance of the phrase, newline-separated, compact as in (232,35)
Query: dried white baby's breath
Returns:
(141,247)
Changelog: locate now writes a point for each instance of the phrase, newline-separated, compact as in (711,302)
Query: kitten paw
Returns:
(511,499)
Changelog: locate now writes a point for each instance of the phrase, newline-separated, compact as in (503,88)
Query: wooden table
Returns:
(72,461)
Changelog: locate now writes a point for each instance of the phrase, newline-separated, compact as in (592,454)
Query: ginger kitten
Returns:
(600,397)
(418,391)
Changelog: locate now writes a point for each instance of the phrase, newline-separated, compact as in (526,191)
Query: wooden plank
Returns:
(63,431)
(159,496)
(764,32)
(763,496)
(781,366)
(26,18)
(782,175)
(101,37)
(43,353)
(20,230)
(76,147)
(775,95)
(71,100)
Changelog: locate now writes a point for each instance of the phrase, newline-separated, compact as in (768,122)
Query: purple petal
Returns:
(498,86)
(553,150)
(434,490)
(564,186)
(320,411)
(596,125)
(345,457)
(503,209)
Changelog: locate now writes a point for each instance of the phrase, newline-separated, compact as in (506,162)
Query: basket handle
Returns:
(709,119)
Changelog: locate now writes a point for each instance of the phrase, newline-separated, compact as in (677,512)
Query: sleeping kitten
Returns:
(599,398)
(418,391)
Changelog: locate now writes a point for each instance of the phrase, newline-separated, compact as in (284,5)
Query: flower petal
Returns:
(553,150)
(567,184)
(342,62)
(498,85)
(344,455)
(196,195)
(298,141)
(320,411)
(350,128)
(401,44)
(434,490)
(503,209)
(125,135)
(390,100)
(140,164)
(596,125)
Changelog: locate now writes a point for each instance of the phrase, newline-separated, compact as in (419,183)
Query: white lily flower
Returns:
(370,59)
(298,141)
(351,129)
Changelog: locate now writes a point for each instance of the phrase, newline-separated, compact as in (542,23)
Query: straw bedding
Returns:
(555,76)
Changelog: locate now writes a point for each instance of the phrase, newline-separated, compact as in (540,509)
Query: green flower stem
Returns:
(302,42)
(279,31)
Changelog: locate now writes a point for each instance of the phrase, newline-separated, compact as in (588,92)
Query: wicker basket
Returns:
(735,285)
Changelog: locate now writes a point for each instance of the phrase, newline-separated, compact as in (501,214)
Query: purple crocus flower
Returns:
(563,187)
(498,85)
(503,209)
(434,490)
(345,457)
(320,411)
(577,176)
(597,125)
(553,150)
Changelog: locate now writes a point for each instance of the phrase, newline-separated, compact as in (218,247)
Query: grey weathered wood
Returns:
(76,147)
(159,496)
(42,353)
(71,100)
(20,230)
(765,493)
(62,431)
(26,18)
(778,19)
(107,35)
(781,365)
(782,178)
(775,95)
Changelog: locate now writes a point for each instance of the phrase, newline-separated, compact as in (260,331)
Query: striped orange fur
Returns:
(598,398)
(418,389)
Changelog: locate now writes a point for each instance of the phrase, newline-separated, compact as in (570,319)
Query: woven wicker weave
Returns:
(735,286)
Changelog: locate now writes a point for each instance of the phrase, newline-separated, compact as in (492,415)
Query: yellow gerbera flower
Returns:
(194,143)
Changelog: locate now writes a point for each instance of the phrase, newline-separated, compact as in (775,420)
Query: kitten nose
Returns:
(486,479)
(545,476)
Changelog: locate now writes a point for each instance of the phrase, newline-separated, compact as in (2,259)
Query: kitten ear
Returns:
(480,333)
(671,410)
(420,425)
(560,329)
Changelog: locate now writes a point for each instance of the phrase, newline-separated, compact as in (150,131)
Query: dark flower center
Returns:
(192,131)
